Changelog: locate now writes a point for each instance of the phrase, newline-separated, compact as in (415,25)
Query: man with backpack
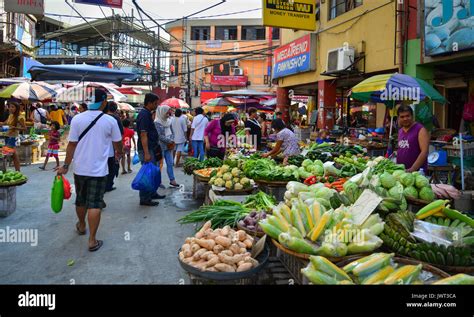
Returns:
(90,137)
(39,116)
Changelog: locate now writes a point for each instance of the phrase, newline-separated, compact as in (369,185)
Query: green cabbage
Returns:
(325,193)
(352,191)
(421,181)
(396,191)
(317,170)
(407,179)
(387,180)
(397,174)
(319,162)
(306,163)
(426,193)
(410,191)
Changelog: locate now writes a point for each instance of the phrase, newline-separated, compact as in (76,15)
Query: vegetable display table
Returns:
(274,188)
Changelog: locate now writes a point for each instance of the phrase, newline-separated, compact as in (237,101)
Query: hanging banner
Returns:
(106,3)
(448,26)
(290,14)
(229,80)
(35,7)
(295,57)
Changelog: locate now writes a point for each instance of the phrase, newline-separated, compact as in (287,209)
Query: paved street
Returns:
(148,257)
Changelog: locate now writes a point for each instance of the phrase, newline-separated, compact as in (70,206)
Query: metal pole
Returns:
(462,160)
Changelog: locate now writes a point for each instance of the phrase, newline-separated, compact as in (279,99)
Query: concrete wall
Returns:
(371,25)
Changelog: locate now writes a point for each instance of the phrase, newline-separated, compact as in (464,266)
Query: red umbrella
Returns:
(174,103)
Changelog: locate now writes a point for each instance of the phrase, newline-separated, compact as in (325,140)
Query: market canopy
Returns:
(174,103)
(247,92)
(395,87)
(82,72)
(81,92)
(29,91)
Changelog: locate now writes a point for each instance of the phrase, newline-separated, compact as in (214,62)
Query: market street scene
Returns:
(238,142)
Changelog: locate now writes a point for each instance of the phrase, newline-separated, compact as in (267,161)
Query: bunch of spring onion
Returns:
(260,201)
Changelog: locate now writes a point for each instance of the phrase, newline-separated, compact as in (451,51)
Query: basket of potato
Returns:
(221,254)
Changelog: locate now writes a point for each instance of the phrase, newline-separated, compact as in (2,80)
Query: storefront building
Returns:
(353,41)
(440,49)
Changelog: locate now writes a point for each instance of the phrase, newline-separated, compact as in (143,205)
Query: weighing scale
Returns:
(439,157)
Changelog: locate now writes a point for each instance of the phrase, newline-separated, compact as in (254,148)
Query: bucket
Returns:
(465,202)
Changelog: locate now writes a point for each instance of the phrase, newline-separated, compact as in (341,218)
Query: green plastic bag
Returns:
(57,194)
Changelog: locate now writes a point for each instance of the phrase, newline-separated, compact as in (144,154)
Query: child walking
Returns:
(53,146)
(128,138)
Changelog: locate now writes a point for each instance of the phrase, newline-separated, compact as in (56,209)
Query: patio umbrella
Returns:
(29,91)
(125,106)
(270,102)
(81,72)
(395,87)
(174,103)
(83,91)
(218,102)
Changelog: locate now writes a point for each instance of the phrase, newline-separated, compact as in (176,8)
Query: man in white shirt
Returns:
(197,133)
(39,116)
(89,143)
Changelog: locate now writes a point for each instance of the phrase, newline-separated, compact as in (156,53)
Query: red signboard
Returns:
(229,80)
(108,3)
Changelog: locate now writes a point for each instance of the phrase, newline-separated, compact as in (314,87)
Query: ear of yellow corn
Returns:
(324,265)
(318,230)
(316,212)
(309,218)
(349,267)
(279,223)
(404,275)
(431,209)
(296,221)
(458,279)
(379,276)
(345,282)
(372,265)
(286,212)
(317,277)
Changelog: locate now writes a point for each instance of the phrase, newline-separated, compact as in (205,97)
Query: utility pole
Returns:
(188,69)
(158,60)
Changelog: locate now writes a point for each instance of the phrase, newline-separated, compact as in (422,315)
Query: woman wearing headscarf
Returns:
(165,134)
(217,134)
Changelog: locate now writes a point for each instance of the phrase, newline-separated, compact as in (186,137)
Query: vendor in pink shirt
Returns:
(217,134)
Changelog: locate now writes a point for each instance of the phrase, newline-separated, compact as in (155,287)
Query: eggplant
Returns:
(253,214)
(247,221)
(264,216)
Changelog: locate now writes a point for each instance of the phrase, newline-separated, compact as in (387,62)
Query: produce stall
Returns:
(336,204)
(9,180)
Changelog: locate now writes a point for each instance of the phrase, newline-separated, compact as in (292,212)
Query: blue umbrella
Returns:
(82,72)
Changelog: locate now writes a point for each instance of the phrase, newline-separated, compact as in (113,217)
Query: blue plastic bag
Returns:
(186,148)
(136,159)
(148,178)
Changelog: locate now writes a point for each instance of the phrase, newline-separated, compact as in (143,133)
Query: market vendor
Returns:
(16,123)
(217,134)
(253,129)
(286,141)
(413,141)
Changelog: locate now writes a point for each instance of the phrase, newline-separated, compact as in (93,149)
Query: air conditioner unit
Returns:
(234,63)
(238,72)
(208,70)
(340,58)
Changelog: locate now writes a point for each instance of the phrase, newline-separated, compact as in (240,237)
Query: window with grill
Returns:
(338,7)
(252,33)
(275,33)
(200,33)
(226,33)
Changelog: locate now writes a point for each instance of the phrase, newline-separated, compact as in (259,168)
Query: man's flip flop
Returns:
(79,232)
(97,246)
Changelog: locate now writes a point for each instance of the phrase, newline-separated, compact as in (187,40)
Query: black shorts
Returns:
(90,191)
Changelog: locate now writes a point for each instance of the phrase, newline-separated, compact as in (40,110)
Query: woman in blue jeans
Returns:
(166,138)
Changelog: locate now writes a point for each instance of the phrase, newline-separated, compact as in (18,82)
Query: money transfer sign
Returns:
(295,57)
(290,14)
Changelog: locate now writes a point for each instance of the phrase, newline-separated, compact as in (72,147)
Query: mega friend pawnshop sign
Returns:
(106,3)
(295,57)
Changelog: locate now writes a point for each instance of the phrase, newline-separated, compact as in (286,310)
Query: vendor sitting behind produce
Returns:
(286,141)
(323,137)
(413,141)
(15,123)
